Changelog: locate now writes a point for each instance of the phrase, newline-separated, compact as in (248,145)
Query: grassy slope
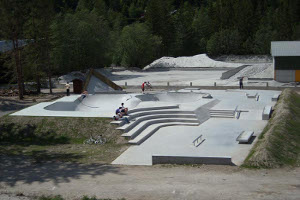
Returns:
(279,144)
(50,138)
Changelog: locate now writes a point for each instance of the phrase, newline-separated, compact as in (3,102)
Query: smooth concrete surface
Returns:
(219,134)
(96,85)
(220,140)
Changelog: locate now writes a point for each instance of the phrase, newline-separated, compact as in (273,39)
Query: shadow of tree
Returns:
(28,134)
(20,168)
(10,105)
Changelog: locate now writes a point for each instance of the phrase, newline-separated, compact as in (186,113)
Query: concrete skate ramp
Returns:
(174,97)
(98,83)
(104,103)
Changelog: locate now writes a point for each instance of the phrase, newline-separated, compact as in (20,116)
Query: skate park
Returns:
(185,126)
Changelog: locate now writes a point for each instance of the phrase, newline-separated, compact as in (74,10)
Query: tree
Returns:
(13,17)
(37,28)
(137,47)
(202,28)
(224,42)
(80,41)
(158,18)
(184,43)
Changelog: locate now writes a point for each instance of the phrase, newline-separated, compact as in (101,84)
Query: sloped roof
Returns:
(285,48)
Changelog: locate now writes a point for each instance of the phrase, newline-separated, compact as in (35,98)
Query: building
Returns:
(286,60)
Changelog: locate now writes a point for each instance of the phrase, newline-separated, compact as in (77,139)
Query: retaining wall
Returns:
(158,159)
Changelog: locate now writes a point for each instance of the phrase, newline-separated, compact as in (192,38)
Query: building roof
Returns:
(285,48)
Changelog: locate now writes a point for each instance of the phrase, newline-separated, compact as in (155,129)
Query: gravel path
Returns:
(72,181)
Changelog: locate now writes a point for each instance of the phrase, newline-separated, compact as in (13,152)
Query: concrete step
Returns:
(143,125)
(217,111)
(222,116)
(132,124)
(150,130)
(162,111)
(152,108)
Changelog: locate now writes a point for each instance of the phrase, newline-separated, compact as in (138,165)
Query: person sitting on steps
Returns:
(123,109)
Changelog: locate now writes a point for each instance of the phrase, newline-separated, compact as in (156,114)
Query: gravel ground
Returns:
(72,181)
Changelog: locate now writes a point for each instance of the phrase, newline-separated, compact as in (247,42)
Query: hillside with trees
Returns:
(68,35)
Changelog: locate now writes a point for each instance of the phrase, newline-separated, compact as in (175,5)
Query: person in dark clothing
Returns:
(118,110)
(241,83)
(68,88)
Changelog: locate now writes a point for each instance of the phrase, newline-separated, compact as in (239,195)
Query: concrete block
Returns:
(266,113)
(275,97)
(245,136)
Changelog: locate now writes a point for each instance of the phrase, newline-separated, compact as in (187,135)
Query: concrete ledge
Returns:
(275,97)
(180,160)
(266,113)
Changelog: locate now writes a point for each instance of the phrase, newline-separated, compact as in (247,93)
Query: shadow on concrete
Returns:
(20,168)
(251,139)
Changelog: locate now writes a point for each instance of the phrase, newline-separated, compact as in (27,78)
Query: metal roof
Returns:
(285,48)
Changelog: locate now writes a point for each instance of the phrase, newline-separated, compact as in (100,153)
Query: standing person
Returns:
(143,87)
(68,88)
(241,83)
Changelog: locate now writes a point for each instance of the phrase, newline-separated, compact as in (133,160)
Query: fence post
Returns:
(215,84)
(125,84)
(191,84)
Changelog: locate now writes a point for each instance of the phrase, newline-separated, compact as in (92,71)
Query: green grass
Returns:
(59,138)
(279,143)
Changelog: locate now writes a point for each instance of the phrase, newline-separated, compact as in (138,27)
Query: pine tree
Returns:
(13,17)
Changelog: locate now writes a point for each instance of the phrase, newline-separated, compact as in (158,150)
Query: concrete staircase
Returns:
(222,113)
(144,122)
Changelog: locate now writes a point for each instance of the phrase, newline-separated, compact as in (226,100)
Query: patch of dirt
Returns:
(72,181)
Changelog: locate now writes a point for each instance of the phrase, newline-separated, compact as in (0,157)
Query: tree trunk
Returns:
(48,62)
(49,69)
(38,83)
(18,68)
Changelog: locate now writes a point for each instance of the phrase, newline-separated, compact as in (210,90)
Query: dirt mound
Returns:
(278,145)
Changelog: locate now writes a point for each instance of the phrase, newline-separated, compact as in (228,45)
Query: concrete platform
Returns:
(165,133)
(220,141)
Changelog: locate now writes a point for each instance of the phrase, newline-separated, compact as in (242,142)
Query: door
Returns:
(297,76)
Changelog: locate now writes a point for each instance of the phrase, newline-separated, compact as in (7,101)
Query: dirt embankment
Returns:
(279,144)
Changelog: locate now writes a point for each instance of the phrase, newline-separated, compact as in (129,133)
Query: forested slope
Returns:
(67,35)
